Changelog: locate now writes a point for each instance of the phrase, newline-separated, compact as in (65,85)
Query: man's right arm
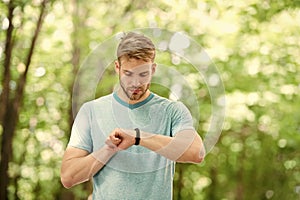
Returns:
(79,166)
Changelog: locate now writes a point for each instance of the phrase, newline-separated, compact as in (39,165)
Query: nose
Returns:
(136,82)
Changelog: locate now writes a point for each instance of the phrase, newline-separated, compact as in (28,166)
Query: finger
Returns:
(111,137)
(109,142)
(115,139)
(118,134)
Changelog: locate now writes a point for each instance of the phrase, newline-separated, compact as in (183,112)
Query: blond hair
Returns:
(136,46)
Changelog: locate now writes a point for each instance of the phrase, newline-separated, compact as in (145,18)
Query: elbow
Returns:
(199,156)
(198,159)
(69,181)
(66,181)
(192,157)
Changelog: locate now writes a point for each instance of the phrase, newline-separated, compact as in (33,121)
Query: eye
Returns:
(144,74)
(127,73)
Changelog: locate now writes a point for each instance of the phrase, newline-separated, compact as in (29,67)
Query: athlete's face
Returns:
(135,77)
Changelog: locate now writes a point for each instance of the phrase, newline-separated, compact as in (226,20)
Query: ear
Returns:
(117,67)
(153,68)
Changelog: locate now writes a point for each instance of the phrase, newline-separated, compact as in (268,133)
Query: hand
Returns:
(122,138)
(113,142)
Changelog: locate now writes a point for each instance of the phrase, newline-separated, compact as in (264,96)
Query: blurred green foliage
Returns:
(254,44)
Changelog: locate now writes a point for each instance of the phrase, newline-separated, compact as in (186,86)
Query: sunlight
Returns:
(5,24)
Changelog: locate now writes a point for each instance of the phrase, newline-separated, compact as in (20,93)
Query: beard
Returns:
(134,93)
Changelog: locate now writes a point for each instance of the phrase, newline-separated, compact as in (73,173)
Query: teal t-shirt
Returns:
(135,173)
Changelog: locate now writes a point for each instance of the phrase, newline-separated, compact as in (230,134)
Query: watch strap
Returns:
(137,136)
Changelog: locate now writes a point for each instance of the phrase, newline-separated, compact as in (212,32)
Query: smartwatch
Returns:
(137,136)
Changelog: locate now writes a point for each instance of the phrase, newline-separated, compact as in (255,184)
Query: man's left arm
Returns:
(186,146)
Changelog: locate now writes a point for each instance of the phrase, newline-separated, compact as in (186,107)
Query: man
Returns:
(129,141)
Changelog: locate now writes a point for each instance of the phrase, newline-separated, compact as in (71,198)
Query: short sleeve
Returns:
(81,130)
(181,118)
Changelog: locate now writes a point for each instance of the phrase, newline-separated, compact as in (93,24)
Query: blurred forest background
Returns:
(255,44)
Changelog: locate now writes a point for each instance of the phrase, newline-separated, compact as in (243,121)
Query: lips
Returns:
(135,91)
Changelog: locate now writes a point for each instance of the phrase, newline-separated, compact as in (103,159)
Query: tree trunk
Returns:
(212,194)
(6,150)
(77,22)
(179,183)
(4,97)
(5,117)
(10,118)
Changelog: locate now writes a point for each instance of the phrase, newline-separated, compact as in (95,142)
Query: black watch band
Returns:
(137,136)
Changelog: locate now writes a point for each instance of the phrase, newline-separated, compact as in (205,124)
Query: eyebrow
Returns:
(125,70)
(128,71)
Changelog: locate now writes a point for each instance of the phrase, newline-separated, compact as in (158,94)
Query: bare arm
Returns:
(186,146)
(79,166)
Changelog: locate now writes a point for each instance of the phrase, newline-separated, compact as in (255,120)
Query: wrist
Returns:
(145,138)
(104,154)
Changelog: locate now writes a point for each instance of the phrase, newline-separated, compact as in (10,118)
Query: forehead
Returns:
(135,65)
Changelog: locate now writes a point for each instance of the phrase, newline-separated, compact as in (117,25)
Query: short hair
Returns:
(137,46)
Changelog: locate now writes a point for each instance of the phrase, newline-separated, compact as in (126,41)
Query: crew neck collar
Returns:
(132,106)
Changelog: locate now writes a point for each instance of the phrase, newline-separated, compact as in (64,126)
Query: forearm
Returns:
(186,146)
(76,170)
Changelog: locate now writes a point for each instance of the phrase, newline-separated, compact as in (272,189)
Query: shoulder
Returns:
(160,100)
(101,100)
(169,105)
